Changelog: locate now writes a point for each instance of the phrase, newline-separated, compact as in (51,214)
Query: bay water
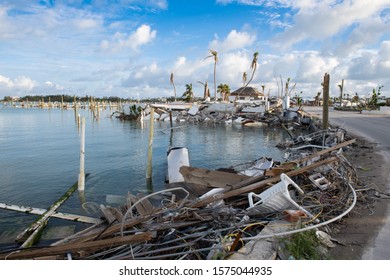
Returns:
(39,158)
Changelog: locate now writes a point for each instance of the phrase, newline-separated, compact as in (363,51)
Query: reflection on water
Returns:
(39,156)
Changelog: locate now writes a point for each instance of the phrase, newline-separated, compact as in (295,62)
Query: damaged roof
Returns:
(248,91)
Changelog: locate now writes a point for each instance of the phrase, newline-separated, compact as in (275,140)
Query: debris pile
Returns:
(252,114)
(212,214)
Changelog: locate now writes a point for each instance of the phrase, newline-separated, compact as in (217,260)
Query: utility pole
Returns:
(325,109)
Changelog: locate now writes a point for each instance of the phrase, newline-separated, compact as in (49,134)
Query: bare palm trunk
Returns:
(215,80)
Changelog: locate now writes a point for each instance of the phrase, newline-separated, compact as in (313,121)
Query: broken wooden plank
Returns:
(30,235)
(210,178)
(107,214)
(259,186)
(145,202)
(324,152)
(40,211)
(288,166)
(111,230)
(283,168)
(32,253)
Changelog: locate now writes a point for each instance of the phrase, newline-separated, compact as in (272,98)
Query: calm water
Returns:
(39,157)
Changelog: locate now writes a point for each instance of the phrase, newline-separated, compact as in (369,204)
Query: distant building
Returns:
(248,93)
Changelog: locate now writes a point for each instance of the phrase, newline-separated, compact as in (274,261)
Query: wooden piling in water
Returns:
(150,145)
(81,181)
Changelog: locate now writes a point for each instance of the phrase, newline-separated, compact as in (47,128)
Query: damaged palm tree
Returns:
(214,55)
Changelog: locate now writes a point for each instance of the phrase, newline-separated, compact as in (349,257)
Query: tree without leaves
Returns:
(253,67)
(244,75)
(173,84)
(214,55)
(206,91)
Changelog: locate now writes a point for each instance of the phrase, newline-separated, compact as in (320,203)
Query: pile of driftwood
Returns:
(213,213)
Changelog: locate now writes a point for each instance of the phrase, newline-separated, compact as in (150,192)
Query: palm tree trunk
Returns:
(215,82)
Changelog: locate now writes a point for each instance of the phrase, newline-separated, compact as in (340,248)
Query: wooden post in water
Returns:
(325,108)
(81,182)
(150,146)
(171,123)
(170,118)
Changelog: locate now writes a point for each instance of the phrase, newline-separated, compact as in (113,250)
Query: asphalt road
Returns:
(376,129)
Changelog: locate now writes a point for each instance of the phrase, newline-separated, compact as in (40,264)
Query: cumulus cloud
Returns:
(367,33)
(371,64)
(17,86)
(234,40)
(141,36)
(318,20)
(19,83)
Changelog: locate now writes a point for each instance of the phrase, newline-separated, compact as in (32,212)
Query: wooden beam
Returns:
(210,178)
(259,186)
(40,211)
(77,247)
(288,166)
(31,234)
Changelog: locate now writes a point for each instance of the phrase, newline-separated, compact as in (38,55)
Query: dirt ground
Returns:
(357,230)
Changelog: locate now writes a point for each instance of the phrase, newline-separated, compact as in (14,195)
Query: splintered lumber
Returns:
(210,178)
(77,247)
(40,211)
(142,204)
(31,234)
(111,230)
(288,166)
(107,214)
(323,152)
(259,186)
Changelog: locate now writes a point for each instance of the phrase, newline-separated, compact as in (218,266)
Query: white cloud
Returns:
(367,33)
(371,65)
(231,68)
(86,23)
(234,40)
(19,83)
(141,36)
(6,28)
(318,20)
(162,4)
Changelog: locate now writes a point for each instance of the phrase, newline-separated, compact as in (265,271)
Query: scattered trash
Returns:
(214,213)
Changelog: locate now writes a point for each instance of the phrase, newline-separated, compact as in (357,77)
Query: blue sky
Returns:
(129,48)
